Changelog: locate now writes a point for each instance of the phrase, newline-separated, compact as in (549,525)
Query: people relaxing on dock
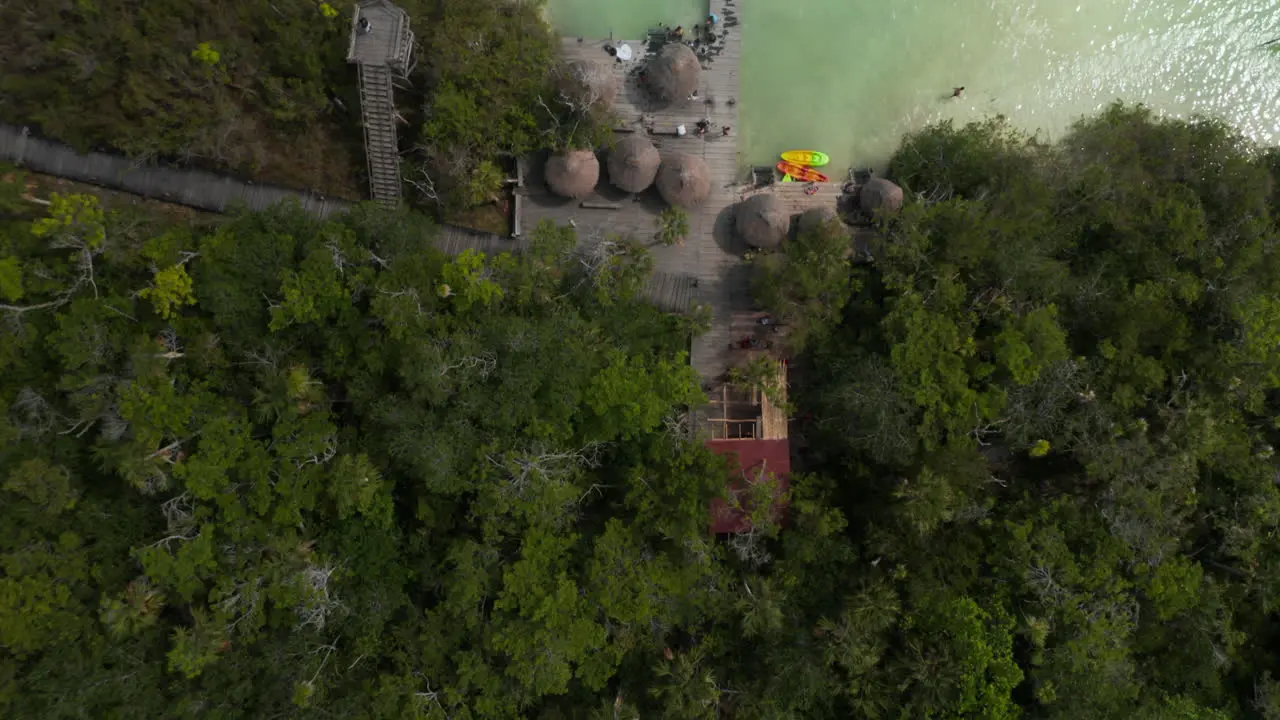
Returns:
(678,33)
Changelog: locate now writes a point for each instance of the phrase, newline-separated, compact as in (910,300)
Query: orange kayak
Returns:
(801,172)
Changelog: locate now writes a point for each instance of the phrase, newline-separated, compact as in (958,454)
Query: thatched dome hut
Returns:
(761,221)
(684,180)
(673,72)
(573,174)
(633,164)
(880,196)
(587,82)
(815,217)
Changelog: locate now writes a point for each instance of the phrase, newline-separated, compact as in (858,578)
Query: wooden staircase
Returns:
(381,148)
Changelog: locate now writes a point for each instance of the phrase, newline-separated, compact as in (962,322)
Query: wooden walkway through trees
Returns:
(214,193)
(183,186)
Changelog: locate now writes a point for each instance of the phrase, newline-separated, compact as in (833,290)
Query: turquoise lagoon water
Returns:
(849,77)
(626,20)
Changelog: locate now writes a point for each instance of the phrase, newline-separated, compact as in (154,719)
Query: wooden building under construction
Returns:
(750,429)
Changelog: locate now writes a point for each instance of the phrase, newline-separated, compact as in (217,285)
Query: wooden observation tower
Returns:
(382,50)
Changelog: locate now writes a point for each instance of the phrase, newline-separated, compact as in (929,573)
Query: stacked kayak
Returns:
(800,164)
(807,158)
(800,172)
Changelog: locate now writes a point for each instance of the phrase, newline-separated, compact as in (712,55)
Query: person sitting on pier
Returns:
(724,131)
(713,20)
(365,26)
(678,33)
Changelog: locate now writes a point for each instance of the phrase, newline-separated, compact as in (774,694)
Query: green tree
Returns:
(673,226)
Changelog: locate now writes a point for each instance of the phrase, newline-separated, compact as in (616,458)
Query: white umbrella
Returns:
(624,52)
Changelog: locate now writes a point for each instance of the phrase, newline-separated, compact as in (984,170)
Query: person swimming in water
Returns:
(958,92)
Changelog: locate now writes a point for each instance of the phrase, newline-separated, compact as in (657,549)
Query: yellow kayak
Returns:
(807,158)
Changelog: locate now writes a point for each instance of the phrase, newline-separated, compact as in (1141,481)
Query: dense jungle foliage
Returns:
(1048,416)
(263,88)
(284,467)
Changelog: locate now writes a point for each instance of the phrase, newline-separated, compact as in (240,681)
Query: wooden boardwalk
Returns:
(711,253)
(182,186)
(207,191)
(794,197)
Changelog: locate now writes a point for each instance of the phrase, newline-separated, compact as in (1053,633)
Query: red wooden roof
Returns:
(747,459)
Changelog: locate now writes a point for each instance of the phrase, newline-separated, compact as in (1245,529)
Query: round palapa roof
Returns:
(673,72)
(684,180)
(761,221)
(880,195)
(587,82)
(633,164)
(573,174)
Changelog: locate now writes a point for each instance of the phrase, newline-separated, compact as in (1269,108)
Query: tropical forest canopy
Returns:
(285,467)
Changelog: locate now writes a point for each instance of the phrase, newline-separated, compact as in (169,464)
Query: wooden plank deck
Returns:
(710,254)
(793,196)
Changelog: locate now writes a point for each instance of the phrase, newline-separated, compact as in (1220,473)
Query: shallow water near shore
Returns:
(626,19)
(849,77)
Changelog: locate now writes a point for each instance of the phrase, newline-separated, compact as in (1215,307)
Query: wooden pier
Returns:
(798,197)
(710,261)
(711,254)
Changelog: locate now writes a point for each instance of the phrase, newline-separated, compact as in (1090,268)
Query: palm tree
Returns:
(673,226)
